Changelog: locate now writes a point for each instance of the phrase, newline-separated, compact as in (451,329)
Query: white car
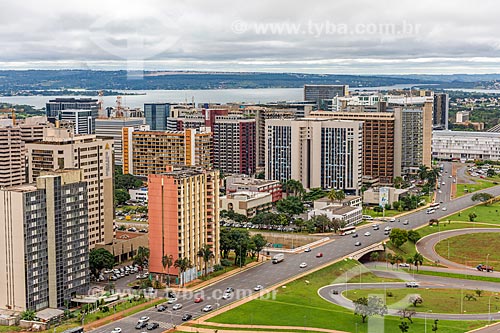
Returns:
(116,330)
(207,308)
(443,183)
(303,265)
(172,300)
(144,319)
(387,228)
(258,287)
(440,191)
(404,265)
(444,208)
(412,284)
(177,306)
(227,296)
(367,233)
(308,249)
(451,176)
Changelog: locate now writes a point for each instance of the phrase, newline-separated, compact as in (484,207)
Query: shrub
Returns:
(226,262)
(218,268)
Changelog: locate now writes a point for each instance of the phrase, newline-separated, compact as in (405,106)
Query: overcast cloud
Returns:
(318,36)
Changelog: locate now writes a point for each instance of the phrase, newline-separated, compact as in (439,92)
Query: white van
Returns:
(367,217)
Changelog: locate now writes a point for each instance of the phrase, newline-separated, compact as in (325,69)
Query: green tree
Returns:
(126,182)
(141,256)
(398,182)
(183,264)
(398,237)
(121,196)
(167,261)
(99,259)
(434,327)
(29,315)
(482,196)
(374,256)
(258,242)
(403,326)
(472,217)
(338,195)
(479,292)
(491,173)
(418,259)
(415,300)
(367,307)
(290,206)
(225,242)
(397,205)
(378,209)
(413,236)
(321,222)
(294,187)
(206,254)
(313,194)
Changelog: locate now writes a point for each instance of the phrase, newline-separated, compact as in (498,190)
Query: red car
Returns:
(198,300)
(319,255)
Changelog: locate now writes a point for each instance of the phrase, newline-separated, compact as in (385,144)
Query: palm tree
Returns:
(422,172)
(418,259)
(336,195)
(167,261)
(294,187)
(183,264)
(206,254)
(142,255)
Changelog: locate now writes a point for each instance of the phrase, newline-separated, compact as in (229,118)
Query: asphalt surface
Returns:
(426,246)
(268,274)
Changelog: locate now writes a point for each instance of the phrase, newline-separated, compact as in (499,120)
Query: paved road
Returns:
(426,246)
(269,274)
(444,192)
(425,281)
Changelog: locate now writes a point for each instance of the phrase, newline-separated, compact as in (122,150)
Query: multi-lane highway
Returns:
(268,274)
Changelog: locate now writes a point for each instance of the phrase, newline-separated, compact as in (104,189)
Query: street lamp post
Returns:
(489,306)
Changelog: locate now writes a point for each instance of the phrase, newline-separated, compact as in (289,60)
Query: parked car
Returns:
(152,326)
(186,317)
(208,308)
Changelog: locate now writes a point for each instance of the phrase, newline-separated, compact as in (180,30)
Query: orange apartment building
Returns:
(183,215)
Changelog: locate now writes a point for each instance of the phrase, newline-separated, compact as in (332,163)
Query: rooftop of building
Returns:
(340,210)
(463,134)
(348,198)
(247,180)
(182,171)
(246,195)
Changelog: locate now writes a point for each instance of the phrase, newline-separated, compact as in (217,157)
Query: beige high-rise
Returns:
(12,157)
(61,149)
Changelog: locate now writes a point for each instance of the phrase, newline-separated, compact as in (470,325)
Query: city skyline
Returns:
(385,37)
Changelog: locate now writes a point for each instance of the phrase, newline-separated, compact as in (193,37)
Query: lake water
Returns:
(199,96)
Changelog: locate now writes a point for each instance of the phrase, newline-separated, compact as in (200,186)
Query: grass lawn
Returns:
(487,214)
(437,300)
(471,249)
(372,213)
(480,184)
(299,305)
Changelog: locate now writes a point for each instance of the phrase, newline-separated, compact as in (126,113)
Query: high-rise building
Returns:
(12,157)
(320,92)
(55,106)
(83,120)
(183,216)
(440,111)
(112,127)
(150,152)
(157,115)
(317,152)
(44,248)
(61,149)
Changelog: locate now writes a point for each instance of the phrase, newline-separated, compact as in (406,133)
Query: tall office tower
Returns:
(112,127)
(416,132)
(321,92)
(83,120)
(32,128)
(440,111)
(317,152)
(382,138)
(183,216)
(234,145)
(157,115)
(150,152)
(44,248)
(61,149)
(261,115)
(12,157)
(55,106)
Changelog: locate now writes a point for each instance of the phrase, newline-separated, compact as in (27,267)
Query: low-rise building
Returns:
(348,215)
(247,203)
(383,195)
(458,145)
(140,195)
(238,183)
(349,200)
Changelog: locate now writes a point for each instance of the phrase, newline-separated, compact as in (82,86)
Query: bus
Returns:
(434,205)
(347,230)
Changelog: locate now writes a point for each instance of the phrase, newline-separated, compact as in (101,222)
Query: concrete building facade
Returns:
(12,157)
(183,211)
(247,203)
(61,149)
(238,183)
(156,115)
(463,145)
(440,111)
(44,249)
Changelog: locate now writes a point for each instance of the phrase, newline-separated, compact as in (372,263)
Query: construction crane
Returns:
(12,111)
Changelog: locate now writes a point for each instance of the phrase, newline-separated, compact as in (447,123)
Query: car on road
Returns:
(319,255)
(116,330)
(405,222)
(308,249)
(375,227)
(258,287)
(198,299)
(227,295)
(412,284)
(450,176)
(444,209)
(354,235)
(207,308)
(144,319)
(161,308)
(403,264)
(303,265)
(367,233)
(229,290)
(357,244)
(141,324)
(172,300)
(186,317)
(152,326)
(440,191)
(177,306)
(443,183)
(387,228)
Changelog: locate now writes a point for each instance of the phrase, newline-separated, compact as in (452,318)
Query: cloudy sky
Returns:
(317,36)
